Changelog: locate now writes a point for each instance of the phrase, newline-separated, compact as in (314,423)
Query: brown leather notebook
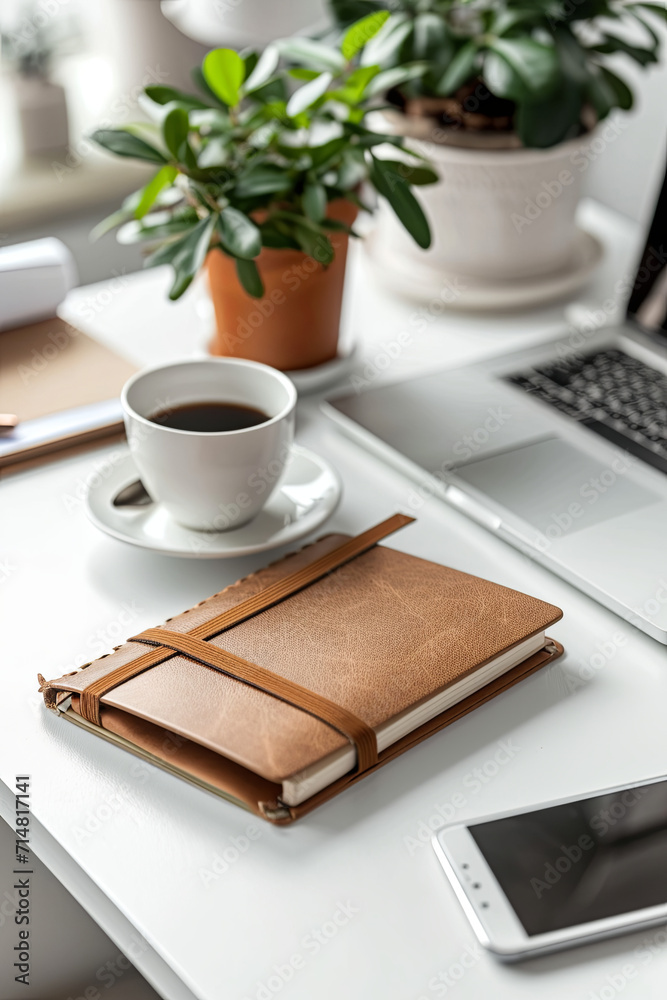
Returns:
(297,681)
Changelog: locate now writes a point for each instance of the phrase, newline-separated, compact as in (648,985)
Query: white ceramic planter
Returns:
(497,215)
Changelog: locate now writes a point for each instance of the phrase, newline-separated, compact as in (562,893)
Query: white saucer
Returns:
(307,495)
(425,282)
(325,376)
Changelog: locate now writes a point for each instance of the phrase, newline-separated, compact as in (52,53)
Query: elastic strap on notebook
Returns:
(357,731)
(276,592)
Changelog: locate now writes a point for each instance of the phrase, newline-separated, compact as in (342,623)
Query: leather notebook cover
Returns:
(301,661)
(49,369)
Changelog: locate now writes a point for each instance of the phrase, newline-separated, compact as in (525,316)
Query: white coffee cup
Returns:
(211,481)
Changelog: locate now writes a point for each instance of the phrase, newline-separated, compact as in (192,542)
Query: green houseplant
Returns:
(541,65)
(260,175)
(507,97)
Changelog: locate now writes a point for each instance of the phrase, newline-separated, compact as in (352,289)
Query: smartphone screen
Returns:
(582,861)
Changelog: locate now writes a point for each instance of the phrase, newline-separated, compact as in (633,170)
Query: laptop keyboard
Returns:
(611,393)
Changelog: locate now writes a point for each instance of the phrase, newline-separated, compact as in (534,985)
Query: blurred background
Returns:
(68,66)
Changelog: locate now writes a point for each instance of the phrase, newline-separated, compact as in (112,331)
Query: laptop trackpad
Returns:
(555,487)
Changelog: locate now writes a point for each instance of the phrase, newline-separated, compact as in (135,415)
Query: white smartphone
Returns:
(563,873)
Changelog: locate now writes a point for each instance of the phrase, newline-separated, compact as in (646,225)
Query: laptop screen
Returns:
(648,299)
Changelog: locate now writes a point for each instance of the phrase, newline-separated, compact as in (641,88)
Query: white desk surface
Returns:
(136,844)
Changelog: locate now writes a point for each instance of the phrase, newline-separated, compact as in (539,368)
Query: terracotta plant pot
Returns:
(295,325)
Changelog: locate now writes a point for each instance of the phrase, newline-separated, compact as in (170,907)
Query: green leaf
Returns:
(391,78)
(164,254)
(359,79)
(600,94)
(501,79)
(250,277)
(266,66)
(175,128)
(315,201)
(123,214)
(460,69)
(214,153)
(353,170)
(430,37)
(274,237)
(613,44)
(239,233)
(623,94)
(199,80)
(652,8)
(648,28)
(315,55)
(305,96)
(299,73)
(266,178)
(250,60)
(224,71)
(162,179)
(385,47)
(361,32)
(327,151)
(534,63)
(313,242)
(176,226)
(187,156)
(553,119)
(187,255)
(121,143)
(403,202)
(417,175)
(169,95)
(505,20)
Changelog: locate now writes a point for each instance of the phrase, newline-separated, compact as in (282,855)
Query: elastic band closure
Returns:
(355,729)
(276,592)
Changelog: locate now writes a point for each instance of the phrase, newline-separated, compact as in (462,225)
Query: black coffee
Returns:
(209,417)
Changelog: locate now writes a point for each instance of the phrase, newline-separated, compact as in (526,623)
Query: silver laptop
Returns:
(561,449)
